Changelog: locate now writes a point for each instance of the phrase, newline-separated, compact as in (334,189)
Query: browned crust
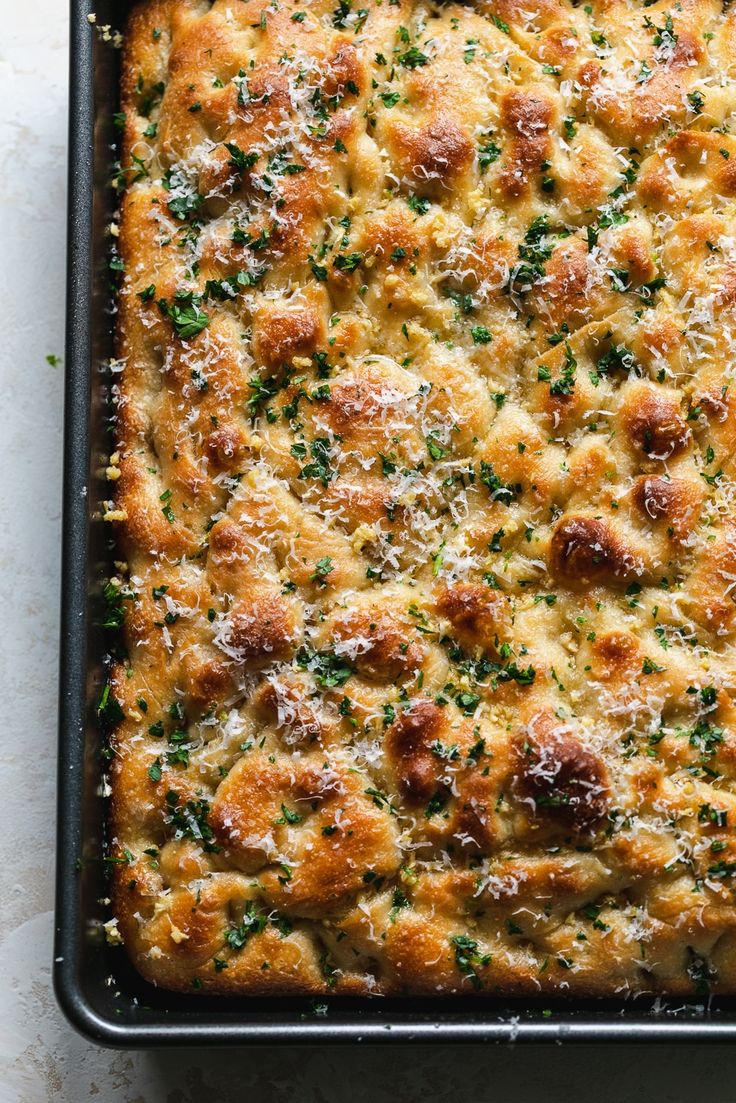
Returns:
(422,482)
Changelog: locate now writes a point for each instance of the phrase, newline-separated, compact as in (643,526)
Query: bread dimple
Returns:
(423,485)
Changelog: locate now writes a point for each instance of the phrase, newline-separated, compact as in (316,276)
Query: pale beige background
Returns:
(40,1057)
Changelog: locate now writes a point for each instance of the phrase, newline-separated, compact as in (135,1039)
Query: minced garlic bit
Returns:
(178,936)
(105,31)
(112,934)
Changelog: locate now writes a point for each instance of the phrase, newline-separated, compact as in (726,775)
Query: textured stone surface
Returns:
(40,1057)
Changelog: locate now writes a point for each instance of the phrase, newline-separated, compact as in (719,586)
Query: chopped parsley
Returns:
(320,465)
(190,821)
(505,492)
(488,152)
(254,922)
(413,58)
(185,314)
(468,958)
(436,450)
(418,204)
(329,669)
(348,262)
(240,160)
(322,568)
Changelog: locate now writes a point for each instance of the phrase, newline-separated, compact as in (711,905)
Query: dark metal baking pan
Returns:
(96,986)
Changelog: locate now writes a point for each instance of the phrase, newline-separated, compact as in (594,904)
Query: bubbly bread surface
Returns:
(423,487)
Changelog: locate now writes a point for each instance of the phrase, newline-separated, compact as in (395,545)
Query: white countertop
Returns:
(40,1056)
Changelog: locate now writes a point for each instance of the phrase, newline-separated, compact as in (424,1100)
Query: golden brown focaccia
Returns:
(424,490)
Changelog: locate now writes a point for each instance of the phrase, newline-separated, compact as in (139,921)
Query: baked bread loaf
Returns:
(423,493)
